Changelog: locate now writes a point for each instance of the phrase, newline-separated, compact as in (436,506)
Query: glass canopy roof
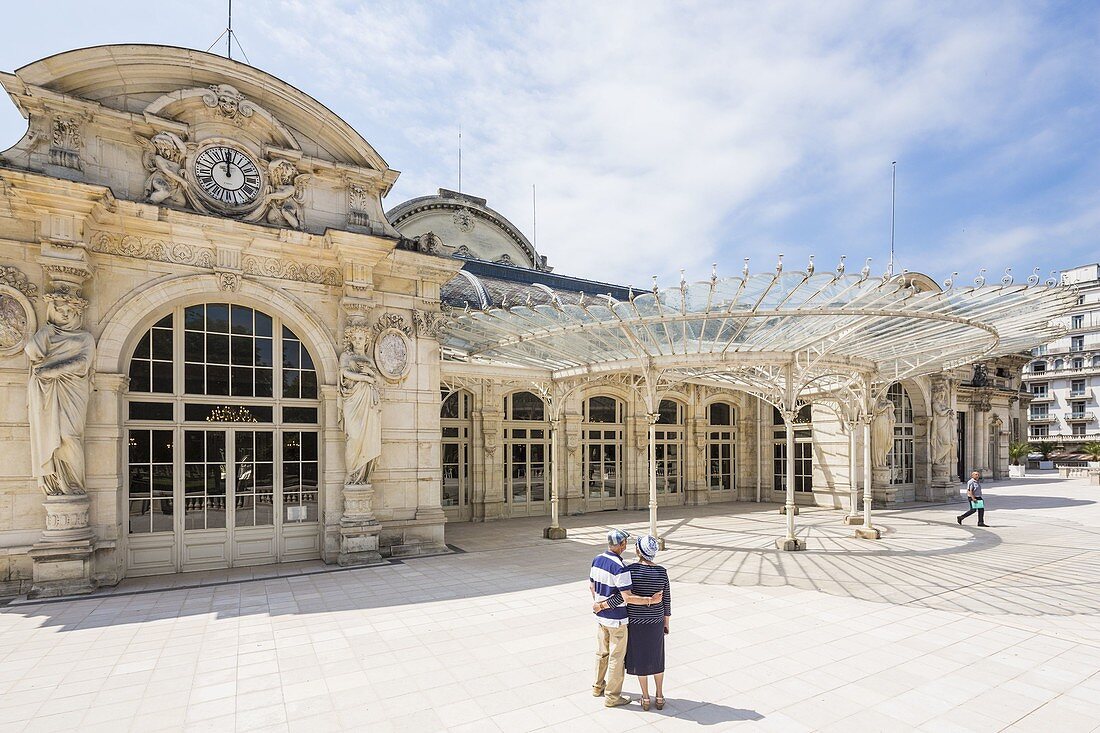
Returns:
(811,332)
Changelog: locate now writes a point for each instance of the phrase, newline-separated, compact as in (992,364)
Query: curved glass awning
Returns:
(740,330)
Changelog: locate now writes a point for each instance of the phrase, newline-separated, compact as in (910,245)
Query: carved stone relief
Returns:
(359,202)
(464,220)
(66,142)
(429,324)
(882,431)
(290,270)
(17,318)
(153,249)
(360,406)
(229,103)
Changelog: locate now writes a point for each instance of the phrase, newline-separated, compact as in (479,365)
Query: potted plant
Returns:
(1092,450)
(1046,448)
(1016,452)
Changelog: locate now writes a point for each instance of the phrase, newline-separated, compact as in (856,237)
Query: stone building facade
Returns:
(217,349)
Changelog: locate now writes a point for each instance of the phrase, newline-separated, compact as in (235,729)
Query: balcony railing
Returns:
(1048,397)
(1040,419)
(1080,417)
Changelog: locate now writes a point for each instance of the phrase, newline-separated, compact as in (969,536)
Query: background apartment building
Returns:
(1065,374)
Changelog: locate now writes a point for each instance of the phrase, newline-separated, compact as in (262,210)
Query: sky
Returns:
(667,136)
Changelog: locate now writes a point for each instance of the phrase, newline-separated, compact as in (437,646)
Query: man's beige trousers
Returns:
(610,659)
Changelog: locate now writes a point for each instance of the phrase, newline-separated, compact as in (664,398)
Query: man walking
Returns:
(974,495)
(609,583)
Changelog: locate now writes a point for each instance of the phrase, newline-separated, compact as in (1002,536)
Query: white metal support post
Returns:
(853,482)
(790,543)
(555,531)
(867,531)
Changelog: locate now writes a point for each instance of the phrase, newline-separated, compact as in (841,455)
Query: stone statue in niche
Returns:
(163,158)
(943,426)
(361,406)
(61,357)
(882,431)
(282,204)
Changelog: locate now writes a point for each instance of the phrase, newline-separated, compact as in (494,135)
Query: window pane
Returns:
(602,409)
(719,414)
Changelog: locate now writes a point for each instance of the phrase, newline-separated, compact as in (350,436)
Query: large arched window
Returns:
(803,451)
(526,453)
(454,419)
(721,447)
(224,454)
(900,457)
(668,436)
(602,462)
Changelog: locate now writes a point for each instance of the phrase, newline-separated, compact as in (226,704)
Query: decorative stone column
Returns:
(359,529)
(62,559)
(790,543)
(943,436)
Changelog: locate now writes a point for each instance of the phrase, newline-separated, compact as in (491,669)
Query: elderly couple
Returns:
(634,597)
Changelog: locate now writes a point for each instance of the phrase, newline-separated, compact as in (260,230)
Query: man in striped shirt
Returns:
(609,582)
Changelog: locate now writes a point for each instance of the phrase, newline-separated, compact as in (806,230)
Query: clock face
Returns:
(227,175)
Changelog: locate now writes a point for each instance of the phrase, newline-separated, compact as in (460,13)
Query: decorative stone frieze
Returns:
(230,282)
(14,278)
(153,249)
(359,203)
(290,270)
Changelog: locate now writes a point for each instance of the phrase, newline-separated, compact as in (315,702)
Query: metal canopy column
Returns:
(867,531)
(554,531)
(853,484)
(790,543)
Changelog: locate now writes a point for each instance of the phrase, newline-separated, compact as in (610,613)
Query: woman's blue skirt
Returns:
(645,649)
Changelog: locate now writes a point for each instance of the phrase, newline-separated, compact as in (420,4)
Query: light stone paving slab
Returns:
(936,628)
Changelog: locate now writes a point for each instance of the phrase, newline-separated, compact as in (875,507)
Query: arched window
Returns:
(454,419)
(721,447)
(1096,361)
(1038,367)
(803,451)
(526,454)
(669,447)
(1059,363)
(900,457)
(1078,363)
(602,462)
(224,445)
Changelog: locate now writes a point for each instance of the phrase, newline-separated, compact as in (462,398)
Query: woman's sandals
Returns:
(645,703)
(660,702)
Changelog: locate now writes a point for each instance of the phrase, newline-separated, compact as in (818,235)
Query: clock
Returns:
(227,176)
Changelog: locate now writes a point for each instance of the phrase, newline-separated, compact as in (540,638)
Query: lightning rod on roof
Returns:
(893,197)
(230,36)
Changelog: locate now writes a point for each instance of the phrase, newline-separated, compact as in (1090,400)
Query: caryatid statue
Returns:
(62,357)
(361,411)
(943,427)
(882,431)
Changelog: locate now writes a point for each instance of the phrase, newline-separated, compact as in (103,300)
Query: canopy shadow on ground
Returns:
(921,560)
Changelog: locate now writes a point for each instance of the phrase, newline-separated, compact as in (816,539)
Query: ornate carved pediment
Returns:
(217,152)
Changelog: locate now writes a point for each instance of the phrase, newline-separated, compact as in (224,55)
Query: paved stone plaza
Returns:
(936,628)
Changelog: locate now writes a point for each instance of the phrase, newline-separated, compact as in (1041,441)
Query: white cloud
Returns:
(663,135)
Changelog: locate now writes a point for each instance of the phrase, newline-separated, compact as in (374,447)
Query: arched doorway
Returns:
(602,446)
(721,450)
(224,454)
(454,418)
(668,450)
(526,455)
(900,459)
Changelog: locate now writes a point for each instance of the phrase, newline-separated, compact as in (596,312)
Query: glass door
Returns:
(206,482)
(229,498)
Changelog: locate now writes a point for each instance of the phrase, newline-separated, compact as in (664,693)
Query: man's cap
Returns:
(617,536)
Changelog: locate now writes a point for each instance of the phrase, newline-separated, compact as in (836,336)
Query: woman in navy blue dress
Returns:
(645,648)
